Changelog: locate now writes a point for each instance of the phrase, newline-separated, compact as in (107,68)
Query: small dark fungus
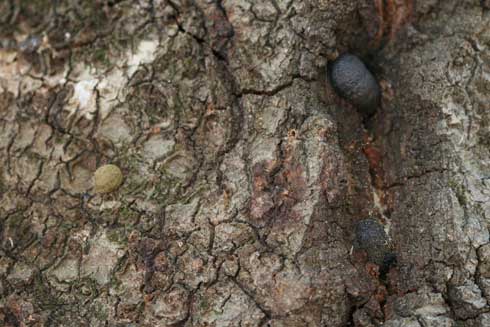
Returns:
(371,237)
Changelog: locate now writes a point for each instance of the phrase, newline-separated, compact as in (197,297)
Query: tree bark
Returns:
(245,174)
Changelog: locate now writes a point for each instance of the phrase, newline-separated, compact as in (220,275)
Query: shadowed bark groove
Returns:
(244,173)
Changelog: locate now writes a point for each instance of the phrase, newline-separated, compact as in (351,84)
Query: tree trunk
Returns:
(245,174)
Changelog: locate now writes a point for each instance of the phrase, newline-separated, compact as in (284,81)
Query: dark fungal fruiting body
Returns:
(354,82)
(371,237)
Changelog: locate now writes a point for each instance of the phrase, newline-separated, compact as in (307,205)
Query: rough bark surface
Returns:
(244,173)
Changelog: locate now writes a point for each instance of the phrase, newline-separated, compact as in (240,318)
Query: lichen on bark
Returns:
(245,174)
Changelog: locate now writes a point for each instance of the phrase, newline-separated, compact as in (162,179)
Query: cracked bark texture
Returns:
(245,174)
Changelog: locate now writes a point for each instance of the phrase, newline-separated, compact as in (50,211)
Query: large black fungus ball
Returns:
(370,236)
(354,82)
